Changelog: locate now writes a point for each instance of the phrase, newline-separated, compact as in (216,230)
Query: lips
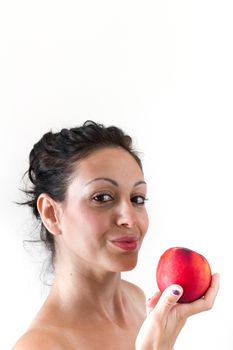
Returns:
(127,243)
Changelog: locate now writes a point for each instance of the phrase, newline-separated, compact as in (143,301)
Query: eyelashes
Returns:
(102,197)
(139,200)
(107,198)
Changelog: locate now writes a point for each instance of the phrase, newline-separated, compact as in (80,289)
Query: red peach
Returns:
(189,269)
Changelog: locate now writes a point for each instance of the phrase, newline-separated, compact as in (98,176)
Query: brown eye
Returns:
(139,200)
(102,197)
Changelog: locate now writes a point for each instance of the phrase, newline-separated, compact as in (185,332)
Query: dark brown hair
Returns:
(53,158)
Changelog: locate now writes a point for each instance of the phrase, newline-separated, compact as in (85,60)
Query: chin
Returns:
(126,264)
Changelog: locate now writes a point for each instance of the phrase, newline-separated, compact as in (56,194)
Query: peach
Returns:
(189,269)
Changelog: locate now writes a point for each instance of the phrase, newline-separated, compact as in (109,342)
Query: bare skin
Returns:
(89,305)
(92,324)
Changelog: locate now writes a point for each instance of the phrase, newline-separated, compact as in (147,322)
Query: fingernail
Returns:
(175,292)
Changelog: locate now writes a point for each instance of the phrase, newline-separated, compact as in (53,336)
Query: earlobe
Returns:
(48,210)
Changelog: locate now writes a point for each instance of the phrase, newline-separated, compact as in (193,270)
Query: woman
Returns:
(88,192)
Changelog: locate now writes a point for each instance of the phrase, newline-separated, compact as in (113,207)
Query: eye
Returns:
(139,200)
(102,197)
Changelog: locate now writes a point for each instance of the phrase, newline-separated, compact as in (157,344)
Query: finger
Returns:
(152,302)
(207,302)
(168,299)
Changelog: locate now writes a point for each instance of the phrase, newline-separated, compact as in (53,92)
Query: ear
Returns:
(49,213)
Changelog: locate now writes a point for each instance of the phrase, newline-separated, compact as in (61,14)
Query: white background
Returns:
(161,70)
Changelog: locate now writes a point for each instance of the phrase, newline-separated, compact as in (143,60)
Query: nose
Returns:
(126,215)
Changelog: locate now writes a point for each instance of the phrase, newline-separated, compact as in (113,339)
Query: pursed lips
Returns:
(127,238)
(128,243)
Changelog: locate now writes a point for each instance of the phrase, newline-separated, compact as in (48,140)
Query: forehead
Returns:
(110,161)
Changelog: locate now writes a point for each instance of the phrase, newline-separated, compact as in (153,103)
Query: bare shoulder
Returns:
(135,292)
(38,338)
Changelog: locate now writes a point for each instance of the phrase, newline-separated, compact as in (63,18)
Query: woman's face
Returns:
(104,219)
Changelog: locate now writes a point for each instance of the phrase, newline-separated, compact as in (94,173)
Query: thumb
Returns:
(168,299)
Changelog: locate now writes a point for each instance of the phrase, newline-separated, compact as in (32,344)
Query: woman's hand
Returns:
(167,317)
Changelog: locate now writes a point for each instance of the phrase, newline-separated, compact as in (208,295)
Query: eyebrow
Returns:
(113,182)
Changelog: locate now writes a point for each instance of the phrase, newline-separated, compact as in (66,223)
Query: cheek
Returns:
(94,221)
(144,222)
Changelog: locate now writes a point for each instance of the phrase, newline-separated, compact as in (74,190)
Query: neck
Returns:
(83,291)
